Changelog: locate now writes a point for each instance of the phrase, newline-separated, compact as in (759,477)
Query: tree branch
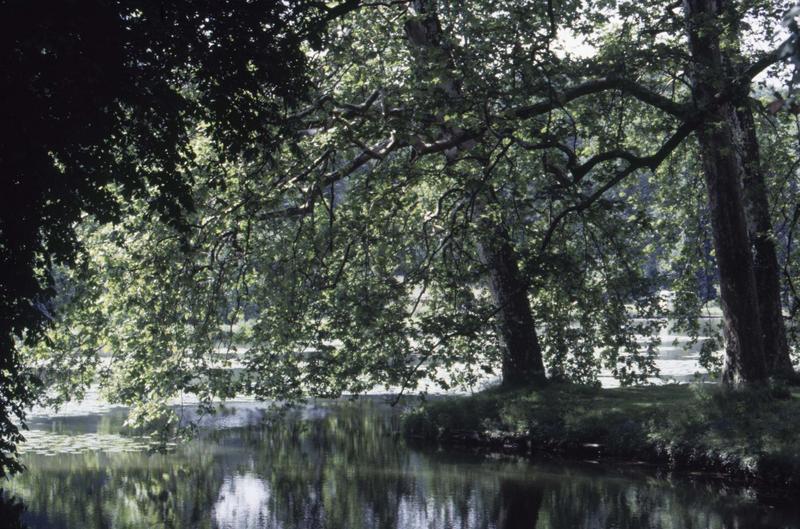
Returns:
(595,86)
(634,163)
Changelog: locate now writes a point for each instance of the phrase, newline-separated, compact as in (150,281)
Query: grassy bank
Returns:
(747,435)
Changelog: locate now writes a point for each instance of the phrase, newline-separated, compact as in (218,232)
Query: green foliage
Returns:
(335,247)
(747,433)
(101,101)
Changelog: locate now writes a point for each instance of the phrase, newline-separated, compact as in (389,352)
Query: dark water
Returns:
(343,466)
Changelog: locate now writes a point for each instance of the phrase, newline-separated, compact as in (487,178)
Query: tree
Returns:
(352,256)
(102,97)
(753,316)
(765,259)
(744,337)
(442,146)
(522,362)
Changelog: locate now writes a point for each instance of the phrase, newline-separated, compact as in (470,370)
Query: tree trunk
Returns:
(765,258)
(744,348)
(522,355)
(516,328)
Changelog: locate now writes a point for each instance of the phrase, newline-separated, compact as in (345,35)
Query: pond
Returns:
(343,465)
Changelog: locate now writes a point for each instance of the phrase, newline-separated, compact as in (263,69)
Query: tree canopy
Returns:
(101,101)
(290,199)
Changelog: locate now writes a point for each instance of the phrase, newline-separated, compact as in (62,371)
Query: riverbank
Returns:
(750,436)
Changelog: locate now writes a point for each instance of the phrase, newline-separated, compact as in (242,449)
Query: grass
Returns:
(750,434)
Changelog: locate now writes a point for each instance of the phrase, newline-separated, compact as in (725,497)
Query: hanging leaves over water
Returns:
(346,249)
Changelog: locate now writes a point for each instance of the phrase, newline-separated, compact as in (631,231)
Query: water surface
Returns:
(343,465)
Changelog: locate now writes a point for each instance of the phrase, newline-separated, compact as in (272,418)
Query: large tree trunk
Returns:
(522,356)
(765,258)
(744,348)
(516,328)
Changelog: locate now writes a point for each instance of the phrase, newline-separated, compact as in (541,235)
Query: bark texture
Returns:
(744,348)
(765,258)
(516,329)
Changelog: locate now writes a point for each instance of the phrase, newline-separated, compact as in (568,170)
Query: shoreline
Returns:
(679,428)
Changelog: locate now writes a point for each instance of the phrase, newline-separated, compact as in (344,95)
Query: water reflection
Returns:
(11,511)
(244,503)
(343,466)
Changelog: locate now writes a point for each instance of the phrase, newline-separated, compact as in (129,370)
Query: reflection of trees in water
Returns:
(96,490)
(343,470)
(11,510)
(519,504)
(601,500)
(346,470)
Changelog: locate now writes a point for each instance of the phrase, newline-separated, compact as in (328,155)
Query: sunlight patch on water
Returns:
(243,503)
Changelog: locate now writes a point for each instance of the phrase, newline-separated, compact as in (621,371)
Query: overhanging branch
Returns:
(634,163)
(595,86)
